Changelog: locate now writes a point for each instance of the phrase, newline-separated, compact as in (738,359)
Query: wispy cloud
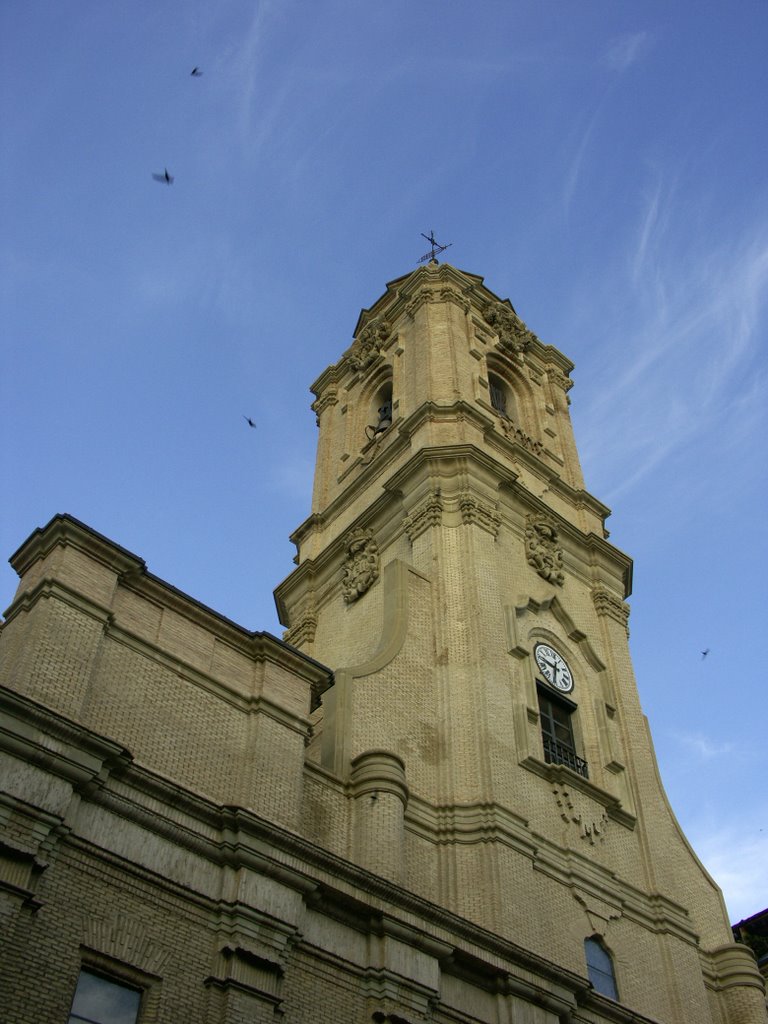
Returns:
(702,746)
(626,50)
(577,160)
(690,348)
(735,854)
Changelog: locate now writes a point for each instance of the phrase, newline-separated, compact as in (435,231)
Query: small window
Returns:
(600,967)
(99,1000)
(556,716)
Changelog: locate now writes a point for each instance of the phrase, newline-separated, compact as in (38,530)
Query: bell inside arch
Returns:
(385,421)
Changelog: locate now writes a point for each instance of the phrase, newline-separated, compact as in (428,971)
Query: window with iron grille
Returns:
(555,715)
(498,394)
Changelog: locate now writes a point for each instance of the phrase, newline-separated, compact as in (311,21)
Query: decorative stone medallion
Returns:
(362,566)
(542,549)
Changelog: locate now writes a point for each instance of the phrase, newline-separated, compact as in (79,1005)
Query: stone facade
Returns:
(216,819)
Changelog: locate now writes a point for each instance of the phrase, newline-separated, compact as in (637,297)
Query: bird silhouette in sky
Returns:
(196,72)
(249,421)
(165,178)
(704,654)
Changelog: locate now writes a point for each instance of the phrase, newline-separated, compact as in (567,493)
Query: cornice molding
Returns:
(64,530)
(132,575)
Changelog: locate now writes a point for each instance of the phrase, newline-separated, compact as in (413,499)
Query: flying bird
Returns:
(165,178)
(249,421)
(196,72)
(704,654)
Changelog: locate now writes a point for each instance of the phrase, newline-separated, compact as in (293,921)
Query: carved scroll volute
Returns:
(543,550)
(514,337)
(609,605)
(368,344)
(303,619)
(361,569)
(427,513)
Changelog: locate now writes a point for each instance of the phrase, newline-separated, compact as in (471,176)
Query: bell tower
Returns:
(484,720)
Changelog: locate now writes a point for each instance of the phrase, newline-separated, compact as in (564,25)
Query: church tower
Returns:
(484,719)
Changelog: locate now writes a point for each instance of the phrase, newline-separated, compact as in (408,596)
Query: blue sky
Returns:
(601,164)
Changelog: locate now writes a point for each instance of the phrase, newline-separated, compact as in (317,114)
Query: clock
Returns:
(553,667)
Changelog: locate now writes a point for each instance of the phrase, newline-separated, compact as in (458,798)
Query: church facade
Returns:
(434,800)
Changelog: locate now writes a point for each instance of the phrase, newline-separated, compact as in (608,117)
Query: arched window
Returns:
(600,967)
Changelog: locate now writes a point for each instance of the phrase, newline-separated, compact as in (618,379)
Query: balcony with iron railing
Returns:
(558,753)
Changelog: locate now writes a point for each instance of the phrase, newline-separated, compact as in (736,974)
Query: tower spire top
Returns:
(436,249)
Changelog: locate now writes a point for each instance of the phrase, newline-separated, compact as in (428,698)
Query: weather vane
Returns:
(436,247)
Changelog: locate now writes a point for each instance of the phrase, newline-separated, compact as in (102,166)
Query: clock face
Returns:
(553,667)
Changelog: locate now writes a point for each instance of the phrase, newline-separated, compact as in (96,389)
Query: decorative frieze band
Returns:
(427,513)
(543,550)
(475,512)
(515,433)
(608,604)
(361,569)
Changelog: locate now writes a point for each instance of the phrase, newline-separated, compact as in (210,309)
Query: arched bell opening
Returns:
(379,418)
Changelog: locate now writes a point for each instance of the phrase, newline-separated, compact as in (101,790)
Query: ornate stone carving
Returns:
(562,380)
(579,810)
(368,343)
(362,566)
(422,296)
(325,401)
(427,513)
(542,549)
(514,336)
(449,294)
(608,604)
(479,513)
(515,433)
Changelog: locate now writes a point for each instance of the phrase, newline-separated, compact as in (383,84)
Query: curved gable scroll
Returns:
(514,614)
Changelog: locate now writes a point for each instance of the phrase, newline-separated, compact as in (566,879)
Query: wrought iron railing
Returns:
(556,753)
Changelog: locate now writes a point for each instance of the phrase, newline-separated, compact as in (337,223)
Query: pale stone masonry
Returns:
(433,801)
